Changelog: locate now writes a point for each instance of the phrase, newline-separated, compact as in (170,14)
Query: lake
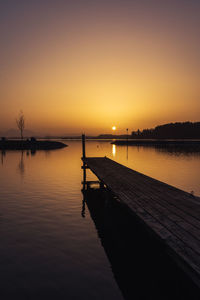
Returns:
(54,248)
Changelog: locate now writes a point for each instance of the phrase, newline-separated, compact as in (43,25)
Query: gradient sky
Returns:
(85,65)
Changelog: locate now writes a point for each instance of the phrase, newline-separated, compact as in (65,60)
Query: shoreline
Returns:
(30,145)
(164,143)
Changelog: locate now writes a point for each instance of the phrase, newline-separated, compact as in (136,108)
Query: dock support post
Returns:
(84,165)
(83,145)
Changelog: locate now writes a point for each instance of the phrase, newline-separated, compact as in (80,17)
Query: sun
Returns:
(114,127)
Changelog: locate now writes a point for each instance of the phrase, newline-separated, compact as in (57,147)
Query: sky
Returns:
(86,65)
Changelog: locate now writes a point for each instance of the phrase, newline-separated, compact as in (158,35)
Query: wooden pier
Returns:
(171,214)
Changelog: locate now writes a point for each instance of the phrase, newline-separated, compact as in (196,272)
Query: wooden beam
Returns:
(171,214)
(83,146)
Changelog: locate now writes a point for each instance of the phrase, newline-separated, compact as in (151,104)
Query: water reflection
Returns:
(3,154)
(47,245)
(170,149)
(113,150)
(33,152)
(21,165)
(127,152)
(177,150)
(83,203)
(47,249)
(139,264)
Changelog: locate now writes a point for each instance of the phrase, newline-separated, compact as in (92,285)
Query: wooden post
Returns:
(127,136)
(84,165)
(83,145)
(127,144)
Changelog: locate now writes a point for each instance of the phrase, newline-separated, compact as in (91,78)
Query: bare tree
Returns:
(21,123)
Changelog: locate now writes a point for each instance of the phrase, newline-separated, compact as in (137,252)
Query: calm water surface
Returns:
(47,248)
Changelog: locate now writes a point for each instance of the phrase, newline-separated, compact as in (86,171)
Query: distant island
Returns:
(171,134)
(31,144)
(160,143)
(178,130)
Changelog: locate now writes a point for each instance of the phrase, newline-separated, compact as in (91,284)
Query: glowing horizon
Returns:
(76,68)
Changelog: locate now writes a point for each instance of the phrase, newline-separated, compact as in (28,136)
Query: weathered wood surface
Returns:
(170,213)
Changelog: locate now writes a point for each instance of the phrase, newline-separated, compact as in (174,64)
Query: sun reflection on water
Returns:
(113,150)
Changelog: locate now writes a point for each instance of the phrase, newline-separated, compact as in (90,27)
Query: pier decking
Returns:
(171,214)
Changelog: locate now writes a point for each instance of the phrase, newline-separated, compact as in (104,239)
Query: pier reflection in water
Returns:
(178,150)
(47,249)
(140,265)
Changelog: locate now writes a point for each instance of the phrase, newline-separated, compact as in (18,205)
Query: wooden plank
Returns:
(171,208)
(147,192)
(184,255)
(166,190)
(166,235)
(140,181)
(172,214)
(159,214)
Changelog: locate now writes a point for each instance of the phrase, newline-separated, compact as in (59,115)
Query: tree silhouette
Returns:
(21,123)
(178,130)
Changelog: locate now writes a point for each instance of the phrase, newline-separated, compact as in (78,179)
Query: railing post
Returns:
(83,145)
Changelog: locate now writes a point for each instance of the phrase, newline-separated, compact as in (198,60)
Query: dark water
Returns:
(140,264)
(49,251)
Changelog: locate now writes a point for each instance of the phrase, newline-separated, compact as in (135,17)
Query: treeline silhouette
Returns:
(178,130)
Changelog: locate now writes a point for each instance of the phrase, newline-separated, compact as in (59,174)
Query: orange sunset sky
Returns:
(75,66)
